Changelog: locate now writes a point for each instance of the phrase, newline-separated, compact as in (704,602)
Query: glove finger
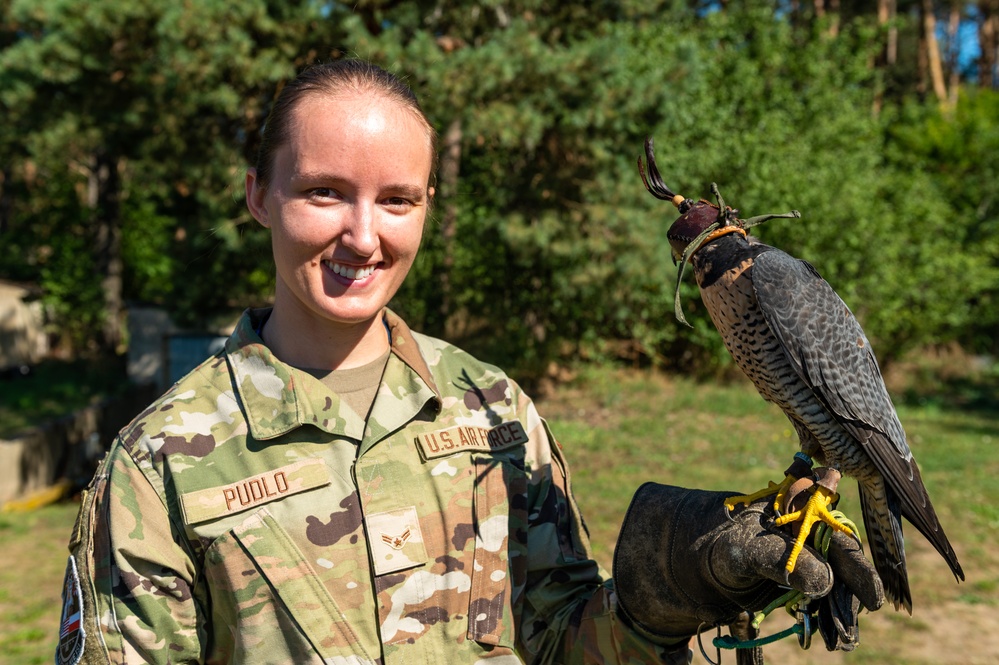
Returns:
(811,575)
(767,558)
(852,568)
(744,555)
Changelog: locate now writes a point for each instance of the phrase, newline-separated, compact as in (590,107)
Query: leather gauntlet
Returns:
(681,563)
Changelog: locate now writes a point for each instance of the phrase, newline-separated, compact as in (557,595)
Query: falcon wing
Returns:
(833,356)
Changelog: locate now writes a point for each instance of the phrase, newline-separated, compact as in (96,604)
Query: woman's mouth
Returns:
(352,273)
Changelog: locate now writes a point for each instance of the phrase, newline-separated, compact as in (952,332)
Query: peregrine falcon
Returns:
(802,348)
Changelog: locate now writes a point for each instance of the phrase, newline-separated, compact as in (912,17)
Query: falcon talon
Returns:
(785,326)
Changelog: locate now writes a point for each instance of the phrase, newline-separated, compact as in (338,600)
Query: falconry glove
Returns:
(682,564)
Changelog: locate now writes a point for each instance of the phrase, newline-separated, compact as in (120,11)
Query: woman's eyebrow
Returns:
(408,191)
(401,189)
(317,175)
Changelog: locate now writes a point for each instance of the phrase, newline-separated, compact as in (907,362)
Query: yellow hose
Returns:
(38,498)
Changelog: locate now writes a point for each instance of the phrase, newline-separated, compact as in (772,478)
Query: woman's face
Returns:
(346,204)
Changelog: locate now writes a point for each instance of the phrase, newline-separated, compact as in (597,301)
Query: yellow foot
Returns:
(800,467)
(771,489)
(816,510)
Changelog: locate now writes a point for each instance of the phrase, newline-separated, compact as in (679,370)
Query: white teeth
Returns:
(352,273)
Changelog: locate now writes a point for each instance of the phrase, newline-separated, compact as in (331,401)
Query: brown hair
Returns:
(332,78)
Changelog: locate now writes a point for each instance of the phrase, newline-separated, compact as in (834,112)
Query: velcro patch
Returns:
(396,540)
(71,634)
(215,502)
(466,437)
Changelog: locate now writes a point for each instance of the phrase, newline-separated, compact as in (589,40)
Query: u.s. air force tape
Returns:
(463,438)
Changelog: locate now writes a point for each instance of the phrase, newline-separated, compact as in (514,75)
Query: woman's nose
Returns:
(361,233)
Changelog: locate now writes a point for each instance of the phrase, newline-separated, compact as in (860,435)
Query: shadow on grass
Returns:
(976,394)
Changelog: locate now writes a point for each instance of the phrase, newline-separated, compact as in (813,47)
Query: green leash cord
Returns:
(790,600)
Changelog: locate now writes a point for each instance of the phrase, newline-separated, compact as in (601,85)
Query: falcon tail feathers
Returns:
(882,520)
(924,518)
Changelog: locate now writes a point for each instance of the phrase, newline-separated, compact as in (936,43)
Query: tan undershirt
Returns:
(356,386)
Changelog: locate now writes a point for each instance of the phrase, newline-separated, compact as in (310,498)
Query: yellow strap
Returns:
(718,233)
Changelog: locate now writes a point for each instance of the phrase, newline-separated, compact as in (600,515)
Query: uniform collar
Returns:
(278,398)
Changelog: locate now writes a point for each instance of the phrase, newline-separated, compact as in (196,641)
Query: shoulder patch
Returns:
(215,502)
(460,438)
(71,633)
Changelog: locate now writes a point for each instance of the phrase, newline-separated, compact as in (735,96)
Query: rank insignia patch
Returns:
(71,633)
(401,543)
(396,542)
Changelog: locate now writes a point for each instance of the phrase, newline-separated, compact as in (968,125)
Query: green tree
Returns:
(129,125)
(559,248)
(138,115)
(959,151)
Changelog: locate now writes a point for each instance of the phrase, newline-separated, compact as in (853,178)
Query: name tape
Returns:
(215,502)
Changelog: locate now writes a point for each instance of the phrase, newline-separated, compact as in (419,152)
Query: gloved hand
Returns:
(681,563)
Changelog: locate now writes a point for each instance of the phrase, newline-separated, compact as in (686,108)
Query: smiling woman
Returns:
(334,487)
(345,196)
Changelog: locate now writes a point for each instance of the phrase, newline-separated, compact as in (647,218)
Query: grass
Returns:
(34,555)
(620,429)
(54,388)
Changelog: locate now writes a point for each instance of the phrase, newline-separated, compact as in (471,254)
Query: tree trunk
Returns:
(930,49)
(820,12)
(450,169)
(953,50)
(886,16)
(988,39)
(104,194)
(887,10)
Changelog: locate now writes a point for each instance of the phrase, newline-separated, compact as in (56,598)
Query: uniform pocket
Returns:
(294,585)
(500,488)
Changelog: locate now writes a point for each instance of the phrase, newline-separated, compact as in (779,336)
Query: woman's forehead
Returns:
(360,107)
(352,113)
(336,138)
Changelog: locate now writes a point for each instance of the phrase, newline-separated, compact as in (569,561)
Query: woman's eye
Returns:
(323,193)
(398,202)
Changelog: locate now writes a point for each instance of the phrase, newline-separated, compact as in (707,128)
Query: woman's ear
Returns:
(255,193)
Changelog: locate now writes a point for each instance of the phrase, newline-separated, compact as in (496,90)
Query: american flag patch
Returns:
(71,633)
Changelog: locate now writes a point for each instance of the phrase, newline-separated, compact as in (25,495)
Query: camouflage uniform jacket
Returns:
(250,516)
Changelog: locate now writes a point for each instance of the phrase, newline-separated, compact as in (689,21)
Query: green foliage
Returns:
(55,388)
(959,152)
(556,249)
(172,95)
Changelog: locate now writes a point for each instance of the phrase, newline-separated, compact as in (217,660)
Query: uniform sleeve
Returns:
(136,579)
(569,613)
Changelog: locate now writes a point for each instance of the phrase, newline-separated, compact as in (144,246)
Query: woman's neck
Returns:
(301,340)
